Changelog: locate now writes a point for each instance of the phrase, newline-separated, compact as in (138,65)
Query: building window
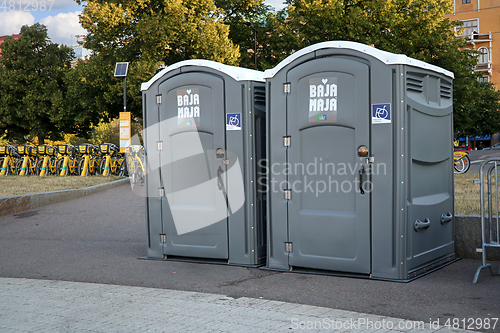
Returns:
(469,27)
(465,1)
(484,56)
(485,78)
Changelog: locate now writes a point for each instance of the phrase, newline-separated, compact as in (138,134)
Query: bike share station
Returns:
(204,135)
(360,163)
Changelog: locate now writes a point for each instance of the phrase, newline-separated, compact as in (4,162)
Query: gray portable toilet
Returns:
(204,135)
(360,163)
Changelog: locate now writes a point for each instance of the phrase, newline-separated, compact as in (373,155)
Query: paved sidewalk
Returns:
(28,305)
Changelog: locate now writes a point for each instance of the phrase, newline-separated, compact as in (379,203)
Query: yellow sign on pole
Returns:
(125,125)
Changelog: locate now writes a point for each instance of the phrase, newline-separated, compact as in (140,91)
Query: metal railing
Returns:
(490,231)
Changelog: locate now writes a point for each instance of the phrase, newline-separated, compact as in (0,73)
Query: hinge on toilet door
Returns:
(288,247)
(287,141)
(288,194)
(287,87)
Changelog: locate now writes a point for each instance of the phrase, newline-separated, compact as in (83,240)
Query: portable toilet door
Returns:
(337,111)
(332,209)
(203,120)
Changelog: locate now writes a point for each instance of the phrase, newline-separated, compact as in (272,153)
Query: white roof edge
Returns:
(384,56)
(237,73)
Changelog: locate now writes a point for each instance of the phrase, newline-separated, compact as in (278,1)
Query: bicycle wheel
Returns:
(80,167)
(113,166)
(135,172)
(102,165)
(95,167)
(38,168)
(462,165)
(19,165)
(54,170)
(122,169)
(73,166)
(31,170)
(59,166)
(8,168)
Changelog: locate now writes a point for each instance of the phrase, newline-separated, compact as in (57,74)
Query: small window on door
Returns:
(465,1)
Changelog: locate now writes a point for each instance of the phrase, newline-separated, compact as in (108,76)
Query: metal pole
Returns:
(255,46)
(125,94)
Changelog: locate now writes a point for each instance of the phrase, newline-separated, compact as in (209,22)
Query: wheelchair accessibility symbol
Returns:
(233,122)
(381,113)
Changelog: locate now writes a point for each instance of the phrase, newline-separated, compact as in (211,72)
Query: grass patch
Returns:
(468,194)
(16,185)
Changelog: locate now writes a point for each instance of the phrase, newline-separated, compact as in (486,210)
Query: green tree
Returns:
(159,30)
(248,21)
(33,86)
(98,96)
(485,115)
(146,34)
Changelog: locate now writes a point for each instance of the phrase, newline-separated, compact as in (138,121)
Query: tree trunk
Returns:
(41,140)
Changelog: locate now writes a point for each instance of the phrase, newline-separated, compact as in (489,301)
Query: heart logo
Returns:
(324,81)
(189,91)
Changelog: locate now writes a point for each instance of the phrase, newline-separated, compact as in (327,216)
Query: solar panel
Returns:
(121,69)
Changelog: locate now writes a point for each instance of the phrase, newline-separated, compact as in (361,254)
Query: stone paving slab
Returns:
(28,305)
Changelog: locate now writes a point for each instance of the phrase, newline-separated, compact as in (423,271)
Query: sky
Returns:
(60,17)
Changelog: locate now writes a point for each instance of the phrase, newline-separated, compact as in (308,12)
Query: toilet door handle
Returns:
(361,172)
(220,183)
(419,225)
(446,218)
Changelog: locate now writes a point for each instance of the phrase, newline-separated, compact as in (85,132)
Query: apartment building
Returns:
(482,31)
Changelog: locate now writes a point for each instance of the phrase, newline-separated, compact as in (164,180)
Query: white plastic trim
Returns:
(384,56)
(237,73)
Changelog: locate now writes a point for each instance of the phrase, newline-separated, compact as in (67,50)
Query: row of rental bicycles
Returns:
(67,160)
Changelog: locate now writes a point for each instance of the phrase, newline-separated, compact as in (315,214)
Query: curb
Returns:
(19,203)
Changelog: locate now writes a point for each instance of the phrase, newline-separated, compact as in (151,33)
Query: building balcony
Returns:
(478,38)
(484,67)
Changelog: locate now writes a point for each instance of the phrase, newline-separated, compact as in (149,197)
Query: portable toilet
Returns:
(204,135)
(360,163)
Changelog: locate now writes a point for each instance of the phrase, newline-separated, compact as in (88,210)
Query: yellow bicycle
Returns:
(110,162)
(135,162)
(47,164)
(27,163)
(88,165)
(68,164)
(8,160)
(461,161)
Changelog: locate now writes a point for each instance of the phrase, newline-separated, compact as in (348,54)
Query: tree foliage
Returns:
(146,34)
(166,31)
(33,86)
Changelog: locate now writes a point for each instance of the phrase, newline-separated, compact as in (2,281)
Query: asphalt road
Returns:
(477,156)
(99,238)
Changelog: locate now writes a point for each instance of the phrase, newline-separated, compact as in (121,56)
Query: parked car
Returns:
(495,146)
(463,148)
